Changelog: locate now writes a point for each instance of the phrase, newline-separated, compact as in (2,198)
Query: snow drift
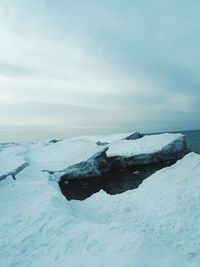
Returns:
(147,150)
(155,225)
(82,157)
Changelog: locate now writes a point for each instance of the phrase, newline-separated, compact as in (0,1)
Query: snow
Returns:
(42,156)
(102,138)
(155,225)
(61,155)
(145,145)
(54,157)
(10,163)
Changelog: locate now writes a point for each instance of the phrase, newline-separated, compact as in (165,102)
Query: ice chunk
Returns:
(147,150)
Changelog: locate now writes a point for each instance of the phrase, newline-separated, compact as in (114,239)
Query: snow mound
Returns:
(61,155)
(147,150)
(83,158)
(145,145)
(155,225)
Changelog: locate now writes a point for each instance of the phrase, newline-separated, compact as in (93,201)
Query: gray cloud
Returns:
(104,65)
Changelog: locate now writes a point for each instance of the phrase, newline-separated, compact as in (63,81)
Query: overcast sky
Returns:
(86,66)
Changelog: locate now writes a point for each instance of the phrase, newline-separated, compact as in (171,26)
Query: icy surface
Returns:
(54,157)
(103,138)
(145,145)
(10,162)
(59,156)
(154,226)
(42,156)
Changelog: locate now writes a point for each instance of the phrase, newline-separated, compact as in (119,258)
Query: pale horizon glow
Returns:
(81,67)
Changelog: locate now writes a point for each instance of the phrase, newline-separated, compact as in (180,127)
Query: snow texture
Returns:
(52,157)
(106,139)
(156,225)
(146,150)
(145,145)
(61,155)
(81,158)
(95,166)
(153,226)
(10,163)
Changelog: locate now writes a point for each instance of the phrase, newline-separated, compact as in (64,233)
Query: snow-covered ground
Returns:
(54,157)
(103,138)
(145,145)
(10,164)
(41,156)
(63,154)
(156,225)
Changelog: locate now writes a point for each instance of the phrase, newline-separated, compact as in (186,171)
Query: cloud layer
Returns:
(102,66)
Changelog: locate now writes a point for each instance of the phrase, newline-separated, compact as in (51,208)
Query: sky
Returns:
(73,67)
